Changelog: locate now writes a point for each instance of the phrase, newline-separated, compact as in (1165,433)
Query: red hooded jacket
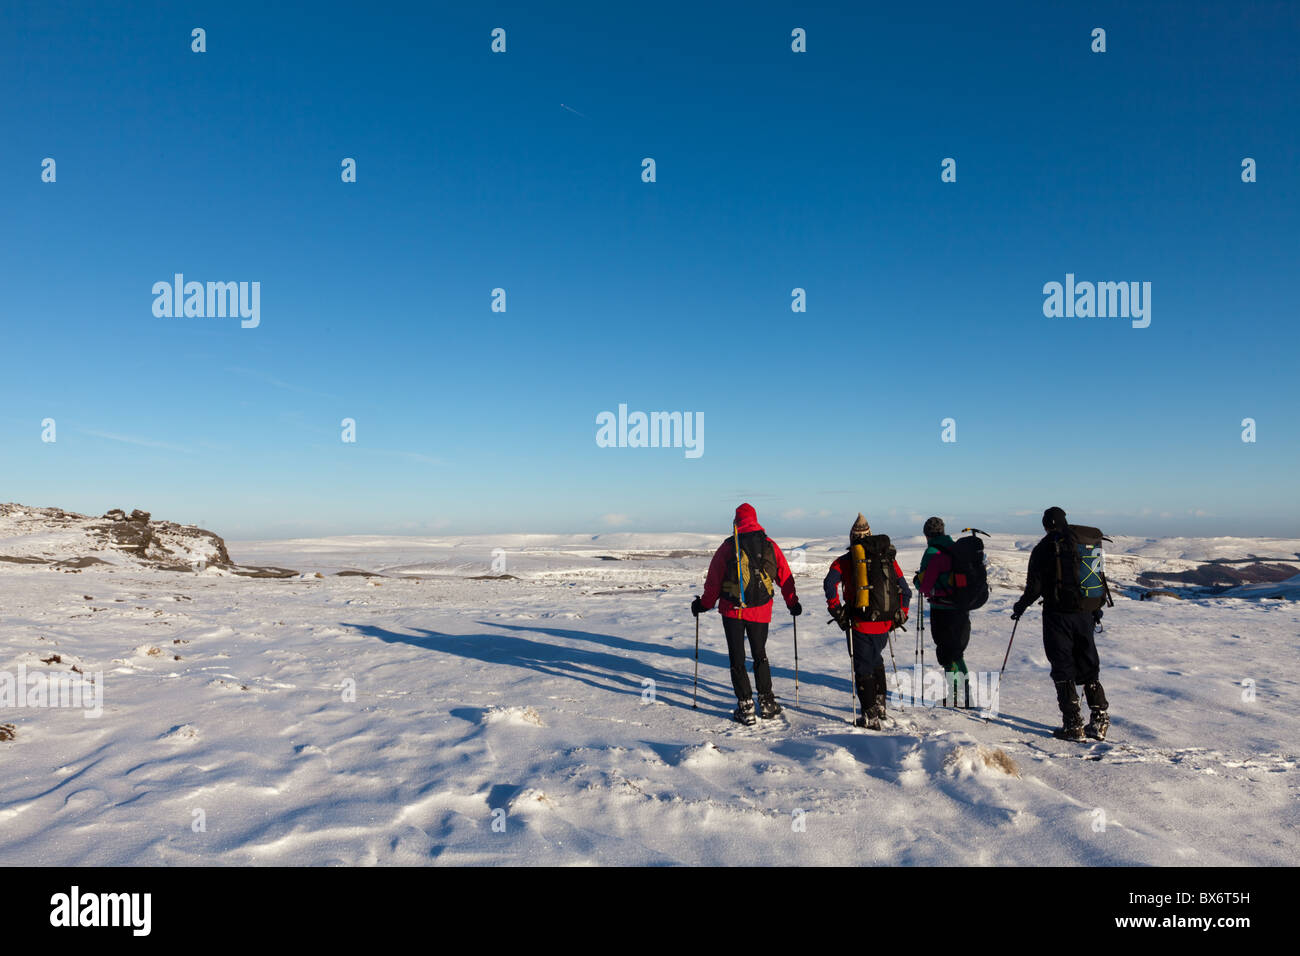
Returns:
(746,520)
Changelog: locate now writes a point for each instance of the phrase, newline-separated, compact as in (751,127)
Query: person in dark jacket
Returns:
(949,626)
(741,615)
(1068,636)
(866,639)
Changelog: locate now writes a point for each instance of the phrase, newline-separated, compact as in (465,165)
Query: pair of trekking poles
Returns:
(695,690)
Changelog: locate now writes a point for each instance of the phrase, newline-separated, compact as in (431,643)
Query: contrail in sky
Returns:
(572,110)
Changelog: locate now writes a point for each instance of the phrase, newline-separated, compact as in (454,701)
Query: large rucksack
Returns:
(751,570)
(970,579)
(873,589)
(1080,570)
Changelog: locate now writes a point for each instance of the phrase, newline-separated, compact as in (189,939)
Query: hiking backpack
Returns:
(872,585)
(970,578)
(751,570)
(1081,570)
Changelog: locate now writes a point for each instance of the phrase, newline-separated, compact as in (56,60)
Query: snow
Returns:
(442,712)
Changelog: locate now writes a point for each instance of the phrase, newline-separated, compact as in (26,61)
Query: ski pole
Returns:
(695,690)
(853,671)
(920,630)
(795,622)
(897,688)
(1008,653)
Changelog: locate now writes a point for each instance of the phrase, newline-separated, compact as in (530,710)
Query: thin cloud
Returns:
(142,442)
(277,383)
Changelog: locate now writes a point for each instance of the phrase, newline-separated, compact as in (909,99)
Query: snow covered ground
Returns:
(527,699)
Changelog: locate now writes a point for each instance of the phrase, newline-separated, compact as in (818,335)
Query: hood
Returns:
(943,539)
(746,519)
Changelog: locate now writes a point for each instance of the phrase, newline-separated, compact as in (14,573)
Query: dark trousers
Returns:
(736,629)
(951,630)
(1070,646)
(868,652)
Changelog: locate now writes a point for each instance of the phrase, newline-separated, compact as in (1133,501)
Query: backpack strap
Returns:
(1056,585)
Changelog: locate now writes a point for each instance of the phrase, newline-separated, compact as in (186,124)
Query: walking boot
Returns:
(744,713)
(1071,720)
(1099,718)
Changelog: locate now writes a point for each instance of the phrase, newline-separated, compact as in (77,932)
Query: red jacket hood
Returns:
(747,519)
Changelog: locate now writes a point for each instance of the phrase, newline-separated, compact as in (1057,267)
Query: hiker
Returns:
(949,624)
(743,590)
(876,600)
(1065,569)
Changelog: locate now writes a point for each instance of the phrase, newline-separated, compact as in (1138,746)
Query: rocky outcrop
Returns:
(71,541)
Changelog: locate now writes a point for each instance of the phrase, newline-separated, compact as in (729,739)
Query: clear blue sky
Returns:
(775,170)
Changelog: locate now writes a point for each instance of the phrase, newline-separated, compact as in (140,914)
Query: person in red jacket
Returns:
(743,590)
(868,638)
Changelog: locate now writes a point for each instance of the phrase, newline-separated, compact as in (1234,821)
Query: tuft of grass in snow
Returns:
(970,757)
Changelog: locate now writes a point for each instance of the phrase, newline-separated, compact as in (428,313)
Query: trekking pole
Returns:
(897,687)
(920,632)
(1008,653)
(695,691)
(853,671)
(795,622)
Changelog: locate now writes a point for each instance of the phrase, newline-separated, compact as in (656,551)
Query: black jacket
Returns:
(1041,578)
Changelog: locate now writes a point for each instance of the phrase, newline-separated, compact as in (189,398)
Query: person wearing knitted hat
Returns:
(1068,631)
(876,599)
(743,577)
(949,625)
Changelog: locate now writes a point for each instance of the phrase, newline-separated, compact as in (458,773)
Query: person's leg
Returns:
(941,625)
(961,639)
(1087,664)
(758,651)
(880,642)
(945,626)
(734,629)
(1088,671)
(864,670)
(1058,643)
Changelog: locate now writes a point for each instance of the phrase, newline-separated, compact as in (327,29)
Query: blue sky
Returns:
(775,170)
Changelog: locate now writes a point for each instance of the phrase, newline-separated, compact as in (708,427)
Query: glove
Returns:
(697,606)
(796,609)
(1016,611)
(1096,616)
(840,616)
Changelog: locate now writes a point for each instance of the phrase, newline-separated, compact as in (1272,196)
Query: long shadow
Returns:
(709,657)
(601,670)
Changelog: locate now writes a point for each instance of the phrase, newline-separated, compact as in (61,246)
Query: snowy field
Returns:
(555,703)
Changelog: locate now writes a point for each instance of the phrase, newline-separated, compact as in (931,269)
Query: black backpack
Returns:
(871,582)
(969,576)
(751,570)
(1080,571)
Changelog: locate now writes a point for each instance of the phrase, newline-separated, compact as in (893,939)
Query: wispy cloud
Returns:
(142,442)
(615,520)
(274,382)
